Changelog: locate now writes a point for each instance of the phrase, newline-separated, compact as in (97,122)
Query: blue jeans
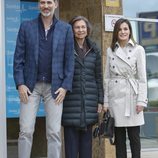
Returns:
(28,117)
(78,142)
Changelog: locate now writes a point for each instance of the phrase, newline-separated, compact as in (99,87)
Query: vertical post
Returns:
(108,7)
(3,145)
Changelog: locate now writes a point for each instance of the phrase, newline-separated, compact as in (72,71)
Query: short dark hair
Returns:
(116,30)
(78,18)
(53,0)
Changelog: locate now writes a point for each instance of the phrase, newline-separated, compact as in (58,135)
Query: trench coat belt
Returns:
(133,82)
(134,85)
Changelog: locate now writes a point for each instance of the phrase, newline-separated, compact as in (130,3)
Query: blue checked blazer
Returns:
(26,56)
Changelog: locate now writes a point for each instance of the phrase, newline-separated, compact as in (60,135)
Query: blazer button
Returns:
(113,67)
(128,57)
(112,58)
(116,81)
(130,51)
(116,74)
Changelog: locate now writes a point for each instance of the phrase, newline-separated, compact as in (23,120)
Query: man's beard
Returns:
(47,14)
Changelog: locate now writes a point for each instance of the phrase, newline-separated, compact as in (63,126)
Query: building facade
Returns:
(13,12)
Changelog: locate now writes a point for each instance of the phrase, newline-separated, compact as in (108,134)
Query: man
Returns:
(43,68)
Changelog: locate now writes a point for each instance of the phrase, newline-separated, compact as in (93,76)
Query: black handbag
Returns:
(106,128)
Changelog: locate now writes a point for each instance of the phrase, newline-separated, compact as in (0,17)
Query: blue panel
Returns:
(15,13)
(148,32)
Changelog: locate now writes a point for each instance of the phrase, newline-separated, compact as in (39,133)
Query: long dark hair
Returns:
(116,30)
(78,18)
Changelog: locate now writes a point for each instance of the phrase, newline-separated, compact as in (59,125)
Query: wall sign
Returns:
(112,3)
(110,21)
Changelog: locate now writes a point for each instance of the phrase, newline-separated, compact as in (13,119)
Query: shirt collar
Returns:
(54,21)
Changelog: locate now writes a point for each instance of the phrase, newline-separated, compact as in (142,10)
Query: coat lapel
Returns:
(121,54)
(78,59)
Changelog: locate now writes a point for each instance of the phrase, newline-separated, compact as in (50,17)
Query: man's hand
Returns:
(23,93)
(61,95)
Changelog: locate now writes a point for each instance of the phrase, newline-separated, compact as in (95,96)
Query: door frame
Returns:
(3,137)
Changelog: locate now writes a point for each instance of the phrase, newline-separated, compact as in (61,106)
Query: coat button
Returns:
(116,74)
(116,81)
(112,58)
(130,51)
(113,67)
(128,57)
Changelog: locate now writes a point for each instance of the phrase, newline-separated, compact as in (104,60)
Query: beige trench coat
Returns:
(126,84)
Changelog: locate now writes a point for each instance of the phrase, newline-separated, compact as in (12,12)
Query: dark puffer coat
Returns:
(80,105)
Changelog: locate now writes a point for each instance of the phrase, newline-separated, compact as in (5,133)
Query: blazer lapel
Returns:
(56,35)
(36,40)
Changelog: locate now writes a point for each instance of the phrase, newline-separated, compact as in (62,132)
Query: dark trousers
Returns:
(120,141)
(78,142)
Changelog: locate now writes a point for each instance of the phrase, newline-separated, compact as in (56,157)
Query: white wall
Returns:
(3,147)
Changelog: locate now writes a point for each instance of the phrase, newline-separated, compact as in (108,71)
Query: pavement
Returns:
(149,148)
(147,153)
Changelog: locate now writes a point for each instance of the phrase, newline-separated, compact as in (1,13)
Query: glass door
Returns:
(145,32)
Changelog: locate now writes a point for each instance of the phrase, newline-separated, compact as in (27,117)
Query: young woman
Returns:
(126,88)
(81,106)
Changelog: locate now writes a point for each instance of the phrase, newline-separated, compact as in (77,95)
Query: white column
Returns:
(3,146)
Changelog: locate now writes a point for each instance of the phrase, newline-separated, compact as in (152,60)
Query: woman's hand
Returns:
(99,108)
(105,108)
(139,108)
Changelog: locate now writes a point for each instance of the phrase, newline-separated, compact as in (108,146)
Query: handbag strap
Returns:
(112,142)
(106,115)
